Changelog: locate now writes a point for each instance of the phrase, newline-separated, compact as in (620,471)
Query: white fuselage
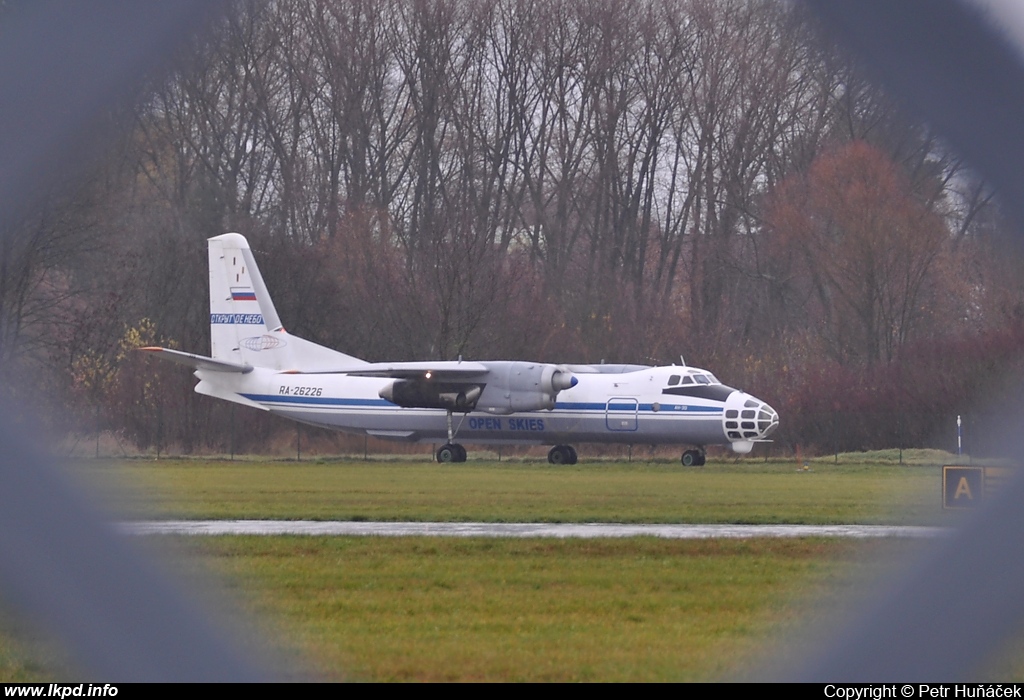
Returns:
(637,407)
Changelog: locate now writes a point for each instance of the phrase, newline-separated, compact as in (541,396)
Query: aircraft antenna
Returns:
(682,361)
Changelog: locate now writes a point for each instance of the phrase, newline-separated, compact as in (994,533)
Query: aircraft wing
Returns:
(499,387)
(198,361)
(606,369)
(446,370)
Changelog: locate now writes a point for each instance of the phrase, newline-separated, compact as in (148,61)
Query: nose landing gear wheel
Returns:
(693,458)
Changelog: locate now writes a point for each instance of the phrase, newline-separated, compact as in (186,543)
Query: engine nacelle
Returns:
(420,393)
(507,387)
(523,386)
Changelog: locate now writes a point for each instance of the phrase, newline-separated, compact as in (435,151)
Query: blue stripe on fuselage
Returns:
(318,400)
(642,407)
(598,407)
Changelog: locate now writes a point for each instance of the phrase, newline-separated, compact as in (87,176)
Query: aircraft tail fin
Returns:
(245,329)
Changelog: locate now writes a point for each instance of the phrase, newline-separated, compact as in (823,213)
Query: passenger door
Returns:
(620,414)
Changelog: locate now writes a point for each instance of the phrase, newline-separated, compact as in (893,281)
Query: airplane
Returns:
(256,363)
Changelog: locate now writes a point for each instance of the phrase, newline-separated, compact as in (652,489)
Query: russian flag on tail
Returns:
(241,294)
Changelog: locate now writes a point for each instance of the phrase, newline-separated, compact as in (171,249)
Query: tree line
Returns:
(560,180)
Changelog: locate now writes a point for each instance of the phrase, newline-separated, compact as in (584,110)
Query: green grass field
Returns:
(752,492)
(637,609)
(527,610)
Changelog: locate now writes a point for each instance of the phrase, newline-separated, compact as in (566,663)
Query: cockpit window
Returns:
(701,379)
(687,380)
(714,379)
(673,380)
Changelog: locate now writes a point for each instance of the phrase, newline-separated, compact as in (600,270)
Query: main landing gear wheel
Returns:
(693,458)
(451,452)
(562,454)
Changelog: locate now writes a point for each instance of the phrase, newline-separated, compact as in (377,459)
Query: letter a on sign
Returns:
(962,487)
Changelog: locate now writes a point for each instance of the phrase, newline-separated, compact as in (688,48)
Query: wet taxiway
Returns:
(581,530)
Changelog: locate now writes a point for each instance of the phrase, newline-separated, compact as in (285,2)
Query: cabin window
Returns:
(673,380)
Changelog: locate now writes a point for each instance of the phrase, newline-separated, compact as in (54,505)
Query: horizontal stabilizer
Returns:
(411,370)
(198,361)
